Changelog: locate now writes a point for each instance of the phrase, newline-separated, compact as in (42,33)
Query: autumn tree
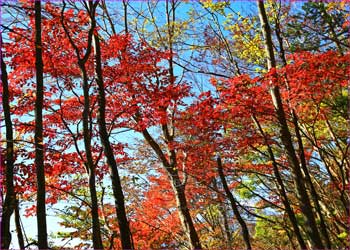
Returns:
(176,124)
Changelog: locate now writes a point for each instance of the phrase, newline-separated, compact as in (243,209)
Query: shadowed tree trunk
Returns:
(314,194)
(18,226)
(302,195)
(125,234)
(223,211)
(234,206)
(282,190)
(280,184)
(169,161)
(89,162)
(9,203)
(38,137)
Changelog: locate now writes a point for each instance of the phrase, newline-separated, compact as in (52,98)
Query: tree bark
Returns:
(223,211)
(125,8)
(38,137)
(302,195)
(184,212)
(9,203)
(245,231)
(125,234)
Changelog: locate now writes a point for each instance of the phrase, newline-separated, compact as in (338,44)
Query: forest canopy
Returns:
(175,124)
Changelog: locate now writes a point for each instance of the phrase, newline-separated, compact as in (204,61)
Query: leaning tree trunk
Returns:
(178,188)
(281,189)
(223,212)
(18,226)
(9,203)
(314,195)
(234,206)
(38,137)
(184,212)
(170,165)
(302,195)
(313,192)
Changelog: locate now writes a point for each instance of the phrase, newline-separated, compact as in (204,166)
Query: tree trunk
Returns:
(282,190)
(96,233)
(89,163)
(125,234)
(170,165)
(125,8)
(19,227)
(184,213)
(234,206)
(223,211)
(9,203)
(313,192)
(302,195)
(38,137)
(178,188)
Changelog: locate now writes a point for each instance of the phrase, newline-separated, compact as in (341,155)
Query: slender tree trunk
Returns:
(229,239)
(18,226)
(125,234)
(38,137)
(184,212)
(282,190)
(96,232)
(245,231)
(125,8)
(178,188)
(9,203)
(109,19)
(290,237)
(89,163)
(314,194)
(280,184)
(302,195)
(223,211)
(170,165)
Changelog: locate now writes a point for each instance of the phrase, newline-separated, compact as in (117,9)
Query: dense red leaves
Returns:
(225,125)
(137,86)
(314,78)
(139,93)
(307,80)
(155,223)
